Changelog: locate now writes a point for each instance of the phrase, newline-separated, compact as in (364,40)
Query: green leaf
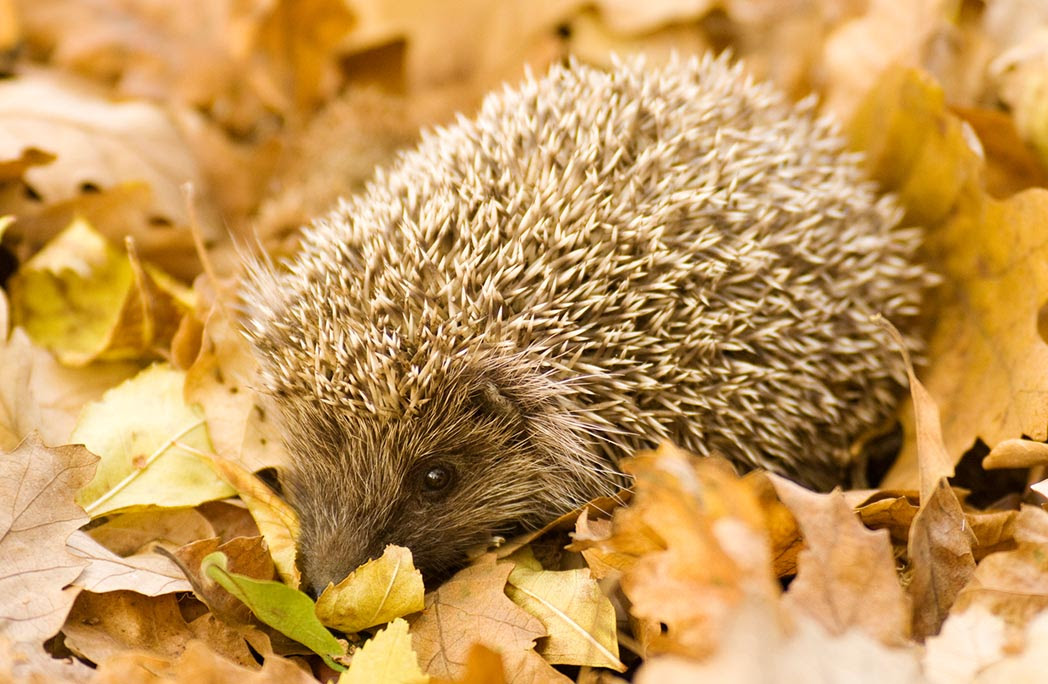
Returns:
(286,610)
(138,429)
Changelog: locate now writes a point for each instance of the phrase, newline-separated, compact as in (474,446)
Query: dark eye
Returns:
(437,479)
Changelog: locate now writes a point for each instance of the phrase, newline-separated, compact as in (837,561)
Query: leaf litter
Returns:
(162,550)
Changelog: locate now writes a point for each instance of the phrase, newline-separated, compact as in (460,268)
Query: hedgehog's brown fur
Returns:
(596,262)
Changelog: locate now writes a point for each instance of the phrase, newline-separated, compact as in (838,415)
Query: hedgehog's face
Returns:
(476,461)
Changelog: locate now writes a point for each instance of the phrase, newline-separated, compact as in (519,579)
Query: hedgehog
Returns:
(599,260)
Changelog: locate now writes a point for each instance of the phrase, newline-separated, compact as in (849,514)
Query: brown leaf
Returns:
(198,664)
(29,663)
(846,574)
(246,556)
(1016,453)
(472,608)
(695,533)
(101,625)
(1010,584)
(940,551)
(131,532)
(38,484)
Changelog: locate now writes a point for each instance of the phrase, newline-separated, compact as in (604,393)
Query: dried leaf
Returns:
(197,664)
(245,556)
(103,625)
(85,300)
(276,520)
(988,370)
(469,609)
(1016,453)
(696,533)
(386,657)
(129,533)
(136,429)
(578,617)
(378,591)
(96,142)
(148,573)
(37,485)
(846,574)
(940,551)
(221,381)
(968,642)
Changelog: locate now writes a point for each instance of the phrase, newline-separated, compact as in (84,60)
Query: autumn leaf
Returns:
(378,591)
(37,485)
(386,657)
(276,520)
(149,574)
(988,363)
(95,142)
(578,617)
(472,608)
(846,573)
(222,380)
(244,555)
(137,428)
(86,300)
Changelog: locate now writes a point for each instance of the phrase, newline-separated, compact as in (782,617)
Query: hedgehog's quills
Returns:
(598,261)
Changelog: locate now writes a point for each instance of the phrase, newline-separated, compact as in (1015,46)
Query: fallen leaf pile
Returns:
(145,146)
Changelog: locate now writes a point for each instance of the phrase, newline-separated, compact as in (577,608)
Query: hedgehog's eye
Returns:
(438,479)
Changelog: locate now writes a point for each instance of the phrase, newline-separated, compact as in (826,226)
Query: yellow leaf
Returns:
(376,592)
(987,358)
(386,657)
(86,300)
(276,520)
(137,429)
(579,618)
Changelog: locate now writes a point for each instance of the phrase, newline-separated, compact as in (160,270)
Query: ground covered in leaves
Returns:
(140,539)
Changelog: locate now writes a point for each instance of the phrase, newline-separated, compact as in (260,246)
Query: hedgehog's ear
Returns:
(490,398)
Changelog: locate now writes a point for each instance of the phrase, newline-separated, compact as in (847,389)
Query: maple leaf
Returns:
(37,485)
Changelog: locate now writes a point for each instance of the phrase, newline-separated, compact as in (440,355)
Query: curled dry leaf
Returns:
(37,485)
(940,551)
(1016,453)
(244,555)
(846,573)
(378,591)
(85,300)
(692,547)
(386,657)
(276,520)
(137,428)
